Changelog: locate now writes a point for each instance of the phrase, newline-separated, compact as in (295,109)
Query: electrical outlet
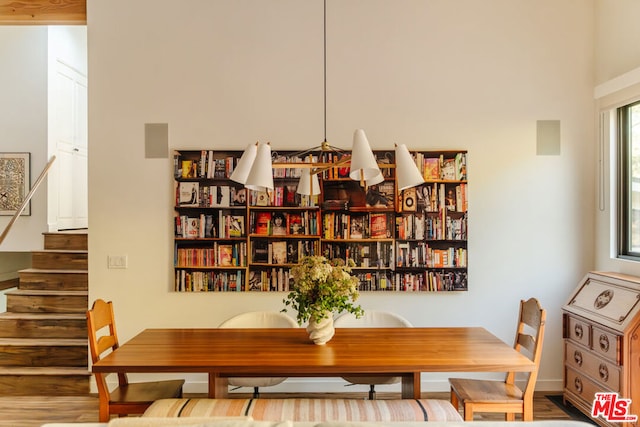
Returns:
(117,261)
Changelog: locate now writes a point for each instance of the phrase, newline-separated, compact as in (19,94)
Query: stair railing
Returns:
(26,200)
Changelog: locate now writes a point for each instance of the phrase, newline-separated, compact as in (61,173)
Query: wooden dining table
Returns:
(288,352)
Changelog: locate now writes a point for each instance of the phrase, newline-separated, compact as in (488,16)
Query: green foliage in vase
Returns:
(322,287)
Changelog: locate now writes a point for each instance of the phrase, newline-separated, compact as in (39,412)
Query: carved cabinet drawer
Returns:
(581,385)
(606,344)
(579,331)
(587,363)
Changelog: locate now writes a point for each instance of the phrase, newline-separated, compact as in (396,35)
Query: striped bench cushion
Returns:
(308,409)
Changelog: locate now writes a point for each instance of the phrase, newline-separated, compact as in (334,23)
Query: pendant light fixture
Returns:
(255,168)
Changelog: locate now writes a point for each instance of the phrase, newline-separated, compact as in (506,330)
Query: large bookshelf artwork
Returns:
(229,239)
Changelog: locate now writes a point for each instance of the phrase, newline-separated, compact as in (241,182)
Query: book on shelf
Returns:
(255,284)
(385,158)
(178,226)
(461,198)
(238,196)
(380,195)
(356,226)
(461,166)
(409,199)
(450,199)
(225,255)
(447,169)
(379,228)
(278,224)
(293,251)
(431,168)
(261,198)
(193,228)
(263,223)
(290,196)
(236,226)
(188,194)
(295,224)
(219,196)
(260,252)
(189,169)
(279,252)
(209,228)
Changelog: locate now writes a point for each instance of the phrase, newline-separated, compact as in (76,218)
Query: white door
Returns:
(68,128)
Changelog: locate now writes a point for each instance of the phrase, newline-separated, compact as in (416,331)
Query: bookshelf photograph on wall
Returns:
(431,227)
(210,236)
(230,239)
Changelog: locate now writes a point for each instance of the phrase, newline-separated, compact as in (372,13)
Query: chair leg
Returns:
(372,392)
(256,392)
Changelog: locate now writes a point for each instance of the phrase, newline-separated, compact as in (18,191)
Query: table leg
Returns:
(218,386)
(411,385)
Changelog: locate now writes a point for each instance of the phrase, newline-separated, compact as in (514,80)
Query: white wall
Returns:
(23,123)
(439,74)
(617,50)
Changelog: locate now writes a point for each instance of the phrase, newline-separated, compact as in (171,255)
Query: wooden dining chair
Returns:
(127,398)
(504,396)
(372,319)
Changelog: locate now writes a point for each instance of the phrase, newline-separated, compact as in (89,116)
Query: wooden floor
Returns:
(33,411)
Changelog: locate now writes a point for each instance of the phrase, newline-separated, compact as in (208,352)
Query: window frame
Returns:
(625,185)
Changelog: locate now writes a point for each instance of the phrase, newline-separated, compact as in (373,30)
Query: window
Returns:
(629,181)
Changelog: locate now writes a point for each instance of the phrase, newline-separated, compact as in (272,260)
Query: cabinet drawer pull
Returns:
(578,385)
(577,330)
(577,356)
(604,343)
(603,370)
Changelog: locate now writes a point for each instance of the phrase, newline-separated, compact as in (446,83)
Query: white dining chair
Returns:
(258,319)
(372,319)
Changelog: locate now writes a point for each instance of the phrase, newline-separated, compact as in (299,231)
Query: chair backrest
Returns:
(372,319)
(260,319)
(529,338)
(103,338)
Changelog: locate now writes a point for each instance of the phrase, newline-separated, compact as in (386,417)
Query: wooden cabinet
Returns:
(601,330)
(227,238)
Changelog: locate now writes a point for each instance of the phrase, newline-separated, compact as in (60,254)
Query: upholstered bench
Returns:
(298,409)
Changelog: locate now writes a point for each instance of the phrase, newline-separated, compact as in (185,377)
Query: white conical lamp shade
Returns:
(375,180)
(242,169)
(407,173)
(261,175)
(308,184)
(363,163)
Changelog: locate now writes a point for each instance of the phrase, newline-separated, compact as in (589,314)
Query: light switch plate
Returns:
(117,261)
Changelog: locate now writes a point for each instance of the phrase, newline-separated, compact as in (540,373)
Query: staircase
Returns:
(43,334)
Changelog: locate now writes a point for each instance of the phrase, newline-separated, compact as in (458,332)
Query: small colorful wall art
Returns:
(14,182)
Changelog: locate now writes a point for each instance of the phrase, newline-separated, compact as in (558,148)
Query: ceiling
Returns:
(43,12)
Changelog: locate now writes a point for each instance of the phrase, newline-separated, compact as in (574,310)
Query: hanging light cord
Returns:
(324,35)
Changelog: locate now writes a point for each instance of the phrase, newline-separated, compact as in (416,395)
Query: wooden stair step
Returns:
(77,239)
(45,301)
(43,352)
(58,381)
(60,259)
(48,279)
(43,325)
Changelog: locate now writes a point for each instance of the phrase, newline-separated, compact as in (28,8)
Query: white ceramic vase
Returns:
(321,332)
